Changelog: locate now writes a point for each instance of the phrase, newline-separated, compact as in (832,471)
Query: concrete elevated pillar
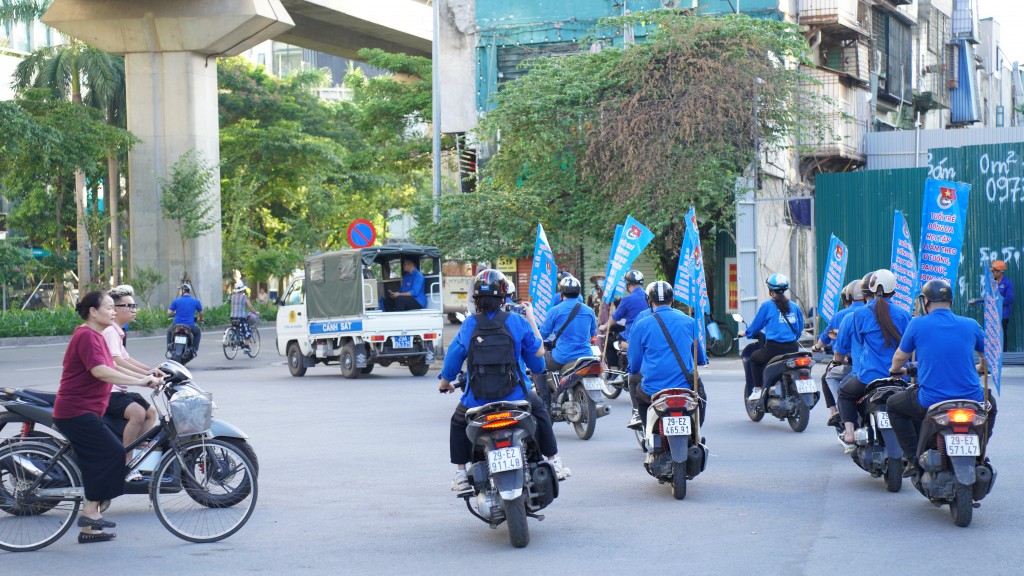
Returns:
(171,50)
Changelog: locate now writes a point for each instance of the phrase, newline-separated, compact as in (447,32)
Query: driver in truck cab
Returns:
(411,295)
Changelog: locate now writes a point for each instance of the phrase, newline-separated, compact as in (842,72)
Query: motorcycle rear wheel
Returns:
(799,421)
(515,517)
(588,414)
(679,480)
(752,411)
(962,506)
(615,391)
(893,475)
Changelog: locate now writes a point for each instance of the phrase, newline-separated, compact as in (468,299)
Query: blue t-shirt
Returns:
(185,308)
(836,322)
(1005,288)
(945,345)
(413,284)
(629,307)
(526,344)
(575,339)
(875,357)
(650,355)
(778,328)
(845,344)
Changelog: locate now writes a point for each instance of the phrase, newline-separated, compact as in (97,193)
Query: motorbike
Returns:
(577,395)
(789,393)
(675,451)
(877,449)
(615,381)
(952,466)
(181,349)
(509,478)
(32,412)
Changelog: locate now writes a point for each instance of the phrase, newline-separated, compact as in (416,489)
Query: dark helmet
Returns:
(569,287)
(659,293)
(937,291)
(186,288)
(634,277)
(490,282)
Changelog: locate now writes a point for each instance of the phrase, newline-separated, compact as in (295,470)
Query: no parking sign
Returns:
(361,233)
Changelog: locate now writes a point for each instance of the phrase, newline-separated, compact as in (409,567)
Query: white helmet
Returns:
(884,281)
(569,286)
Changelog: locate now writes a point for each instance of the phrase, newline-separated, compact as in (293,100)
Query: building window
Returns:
(892,44)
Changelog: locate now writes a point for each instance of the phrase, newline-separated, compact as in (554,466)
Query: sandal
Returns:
(97,524)
(88,538)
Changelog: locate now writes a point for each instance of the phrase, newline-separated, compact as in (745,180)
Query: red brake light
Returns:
(497,424)
(377,338)
(498,416)
(961,415)
(503,444)
(803,362)
(676,401)
(591,370)
(430,336)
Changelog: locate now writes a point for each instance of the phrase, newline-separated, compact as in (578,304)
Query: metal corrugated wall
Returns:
(858,208)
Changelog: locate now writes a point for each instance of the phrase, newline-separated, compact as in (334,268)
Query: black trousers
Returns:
(643,401)
(461,450)
(197,334)
(611,355)
(400,304)
(754,366)
(906,416)
(849,393)
(99,455)
(1006,326)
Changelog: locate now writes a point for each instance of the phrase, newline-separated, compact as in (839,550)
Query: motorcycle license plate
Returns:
(882,420)
(401,341)
(593,383)
(963,445)
(675,425)
(505,459)
(180,339)
(806,386)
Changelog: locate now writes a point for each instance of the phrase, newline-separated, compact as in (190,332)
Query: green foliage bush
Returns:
(63,321)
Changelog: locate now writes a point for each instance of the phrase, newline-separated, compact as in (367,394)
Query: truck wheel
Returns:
(296,363)
(348,362)
(419,369)
(367,370)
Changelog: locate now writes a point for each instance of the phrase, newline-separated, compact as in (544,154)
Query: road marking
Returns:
(37,368)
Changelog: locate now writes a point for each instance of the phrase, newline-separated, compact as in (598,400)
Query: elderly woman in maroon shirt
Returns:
(82,398)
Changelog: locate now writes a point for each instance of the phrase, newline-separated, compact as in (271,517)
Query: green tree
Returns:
(22,10)
(185,198)
(647,130)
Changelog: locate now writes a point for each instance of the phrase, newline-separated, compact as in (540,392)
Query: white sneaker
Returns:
(461,482)
(634,422)
(134,477)
(755,394)
(561,470)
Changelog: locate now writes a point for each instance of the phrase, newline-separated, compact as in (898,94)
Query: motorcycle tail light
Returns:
(802,362)
(675,414)
(591,370)
(677,401)
(498,424)
(960,415)
(503,444)
(498,416)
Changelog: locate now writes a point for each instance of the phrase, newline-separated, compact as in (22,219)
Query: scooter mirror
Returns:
(737,318)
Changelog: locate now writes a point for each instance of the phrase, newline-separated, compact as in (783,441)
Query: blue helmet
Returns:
(778,283)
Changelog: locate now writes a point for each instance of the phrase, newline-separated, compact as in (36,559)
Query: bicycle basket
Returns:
(191,412)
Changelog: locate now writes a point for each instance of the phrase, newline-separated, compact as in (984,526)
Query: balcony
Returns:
(848,112)
(840,18)
(849,57)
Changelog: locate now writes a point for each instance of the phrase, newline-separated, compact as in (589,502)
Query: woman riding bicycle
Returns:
(239,303)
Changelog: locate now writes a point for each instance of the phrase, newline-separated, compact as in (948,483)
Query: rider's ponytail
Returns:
(889,332)
(781,302)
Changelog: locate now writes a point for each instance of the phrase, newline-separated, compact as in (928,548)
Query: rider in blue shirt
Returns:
(651,355)
(489,293)
(853,297)
(574,341)
(411,295)
(782,321)
(946,345)
(876,329)
(186,309)
(632,304)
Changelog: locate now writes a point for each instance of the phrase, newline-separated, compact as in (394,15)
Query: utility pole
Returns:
(435,67)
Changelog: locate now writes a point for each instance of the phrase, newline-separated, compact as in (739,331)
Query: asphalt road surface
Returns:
(354,479)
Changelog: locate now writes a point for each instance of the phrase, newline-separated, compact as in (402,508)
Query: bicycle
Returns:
(232,339)
(720,338)
(202,490)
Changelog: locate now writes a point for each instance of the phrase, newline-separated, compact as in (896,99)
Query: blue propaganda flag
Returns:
(834,280)
(693,291)
(943,216)
(682,288)
(630,243)
(608,269)
(543,276)
(903,264)
(993,330)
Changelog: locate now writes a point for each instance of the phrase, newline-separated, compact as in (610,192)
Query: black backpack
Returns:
(491,361)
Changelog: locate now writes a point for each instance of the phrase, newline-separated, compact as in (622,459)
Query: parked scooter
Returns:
(789,392)
(577,395)
(181,349)
(676,452)
(32,412)
(878,451)
(509,478)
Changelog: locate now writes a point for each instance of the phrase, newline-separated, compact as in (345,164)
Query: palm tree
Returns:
(22,10)
(66,69)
